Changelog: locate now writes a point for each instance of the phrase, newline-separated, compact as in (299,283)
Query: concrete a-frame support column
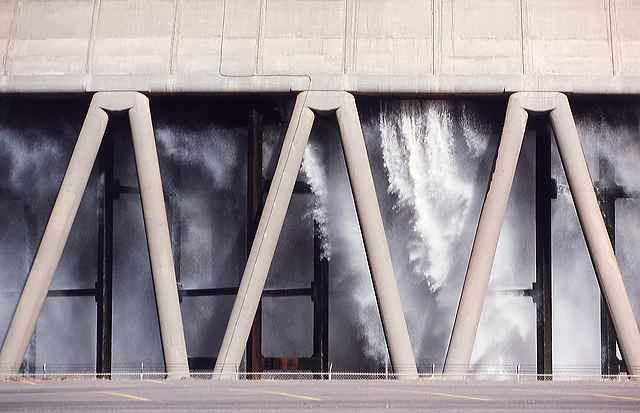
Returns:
(486,241)
(275,209)
(63,214)
(491,217)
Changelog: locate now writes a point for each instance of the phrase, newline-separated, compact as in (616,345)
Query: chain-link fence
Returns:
(147,371)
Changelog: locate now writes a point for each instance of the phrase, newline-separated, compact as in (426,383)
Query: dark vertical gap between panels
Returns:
(104,284)
(542,287)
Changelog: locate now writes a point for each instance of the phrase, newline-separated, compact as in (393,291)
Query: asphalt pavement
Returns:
(74,395)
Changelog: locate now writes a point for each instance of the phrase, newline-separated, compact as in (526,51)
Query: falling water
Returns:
(432,153)
(204,165)
(430,161)
(317,180)
(424,174)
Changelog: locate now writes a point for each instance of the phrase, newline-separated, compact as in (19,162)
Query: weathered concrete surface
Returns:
(366,46)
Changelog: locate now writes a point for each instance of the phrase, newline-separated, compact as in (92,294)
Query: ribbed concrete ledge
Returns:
(362,84)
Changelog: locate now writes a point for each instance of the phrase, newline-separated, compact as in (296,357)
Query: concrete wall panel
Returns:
(626,14)
(199,36)
(481,37)
(302,36)
(241,30)
(568,37)
(51,37)
(6,9)
(393,42)
(134,37)
(368,46)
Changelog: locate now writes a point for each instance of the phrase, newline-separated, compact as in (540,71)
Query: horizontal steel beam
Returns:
(73,292)
(222,291)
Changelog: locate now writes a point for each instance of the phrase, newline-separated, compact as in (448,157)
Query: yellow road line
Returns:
(277,393)
(295,396)
(431,393)
(563,393)
(610,396)
(459,396)
(125,395)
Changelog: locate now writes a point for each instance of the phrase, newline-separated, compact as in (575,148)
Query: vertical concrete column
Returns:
(265,241)
(53,241)
(595,233)
(158,239)
(375,241)
(486,241)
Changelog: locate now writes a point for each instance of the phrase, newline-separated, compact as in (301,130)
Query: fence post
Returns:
(433,370)
(518,372)
(330,368)
(386,369)
(141,370)
(44,369)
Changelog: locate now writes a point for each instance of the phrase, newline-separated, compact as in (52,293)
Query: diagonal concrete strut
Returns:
(270,225)
(490,223)
(64,212)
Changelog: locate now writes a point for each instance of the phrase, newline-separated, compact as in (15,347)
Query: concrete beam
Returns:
(64,212)
(491,217)
(441,84)
(270,225)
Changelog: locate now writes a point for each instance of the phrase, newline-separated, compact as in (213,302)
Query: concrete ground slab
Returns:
(334,395)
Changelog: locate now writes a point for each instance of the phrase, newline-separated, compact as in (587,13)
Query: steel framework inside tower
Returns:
(109,189)
(607,192)
(318,361)
(594,228)
(257,187)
